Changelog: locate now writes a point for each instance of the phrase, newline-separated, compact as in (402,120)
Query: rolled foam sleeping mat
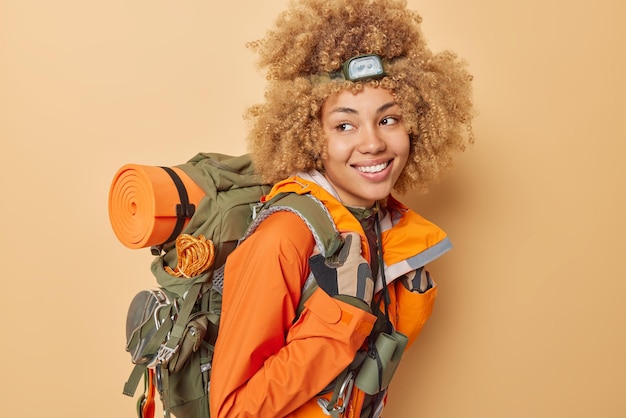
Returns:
(143,204)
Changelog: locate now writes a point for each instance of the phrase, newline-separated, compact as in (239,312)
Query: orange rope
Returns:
(195,256)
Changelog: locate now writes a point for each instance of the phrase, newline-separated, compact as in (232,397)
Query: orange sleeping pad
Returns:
(146,207)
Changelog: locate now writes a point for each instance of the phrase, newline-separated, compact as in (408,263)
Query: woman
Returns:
(356,107)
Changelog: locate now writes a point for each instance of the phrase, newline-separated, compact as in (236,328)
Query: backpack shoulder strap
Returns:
(317,218)
(312,211)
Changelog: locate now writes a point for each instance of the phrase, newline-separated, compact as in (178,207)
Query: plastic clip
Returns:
(185,210)
(164,354)
(256,208)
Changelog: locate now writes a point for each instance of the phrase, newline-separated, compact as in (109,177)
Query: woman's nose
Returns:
(371,141)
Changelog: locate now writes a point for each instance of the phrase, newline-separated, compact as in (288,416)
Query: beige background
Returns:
(530,319)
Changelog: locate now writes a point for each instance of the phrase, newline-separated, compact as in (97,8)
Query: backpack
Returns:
(171,330)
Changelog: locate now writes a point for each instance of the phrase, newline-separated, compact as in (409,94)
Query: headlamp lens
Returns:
(362,67)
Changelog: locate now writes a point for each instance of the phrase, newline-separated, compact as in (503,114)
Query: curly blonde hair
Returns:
(314,37)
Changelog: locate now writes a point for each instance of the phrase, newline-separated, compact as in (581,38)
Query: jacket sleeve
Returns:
(265,364)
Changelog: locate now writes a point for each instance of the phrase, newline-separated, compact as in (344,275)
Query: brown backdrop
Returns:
(530,319)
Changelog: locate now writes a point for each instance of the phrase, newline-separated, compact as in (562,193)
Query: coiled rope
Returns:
(195,256)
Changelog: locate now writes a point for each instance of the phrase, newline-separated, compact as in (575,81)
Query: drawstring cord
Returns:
(381,268)
(388,326)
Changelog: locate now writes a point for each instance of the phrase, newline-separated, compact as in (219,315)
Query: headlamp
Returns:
(361,67)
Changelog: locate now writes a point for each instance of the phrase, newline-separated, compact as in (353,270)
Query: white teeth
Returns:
(372,168)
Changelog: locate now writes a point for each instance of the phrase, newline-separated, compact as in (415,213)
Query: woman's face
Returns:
(368,145)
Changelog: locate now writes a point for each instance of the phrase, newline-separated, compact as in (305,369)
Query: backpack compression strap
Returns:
(184,209)
(162,345)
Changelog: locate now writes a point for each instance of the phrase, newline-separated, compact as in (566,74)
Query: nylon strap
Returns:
(184,209)
(180,325)
(165,390)
(177,330)
(152,347)
(313,212)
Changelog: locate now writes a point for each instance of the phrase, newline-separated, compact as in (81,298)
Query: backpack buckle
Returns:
(165,353)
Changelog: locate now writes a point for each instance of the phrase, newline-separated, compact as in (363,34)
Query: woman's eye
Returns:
(389,120)
(344,127)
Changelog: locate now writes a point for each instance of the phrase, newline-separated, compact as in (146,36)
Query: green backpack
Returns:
(171,330)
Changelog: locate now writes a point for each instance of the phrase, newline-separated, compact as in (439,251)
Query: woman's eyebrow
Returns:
(344,110)
(386,106)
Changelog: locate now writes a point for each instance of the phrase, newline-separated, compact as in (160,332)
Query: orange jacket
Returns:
(267,365)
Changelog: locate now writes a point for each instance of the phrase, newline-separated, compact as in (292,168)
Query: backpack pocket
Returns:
(142,321)
(190,343)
